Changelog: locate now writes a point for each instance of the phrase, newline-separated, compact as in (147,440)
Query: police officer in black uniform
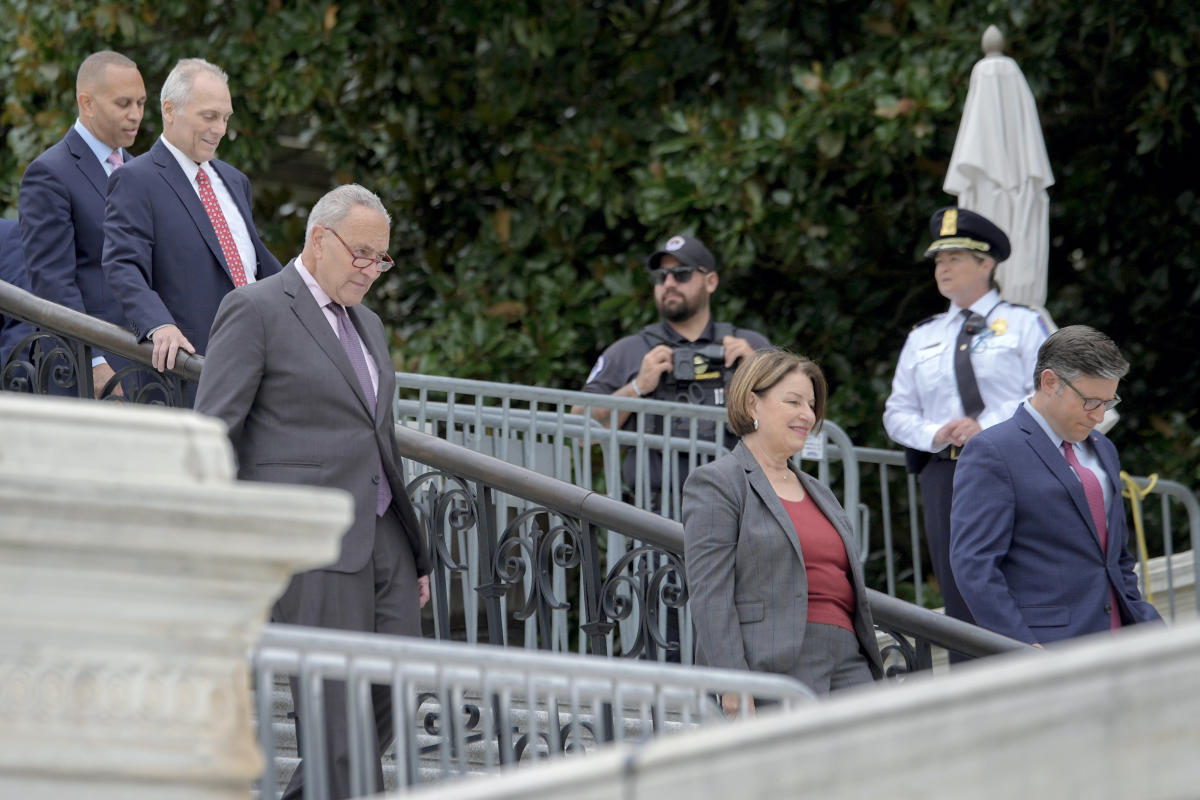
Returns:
(686,356)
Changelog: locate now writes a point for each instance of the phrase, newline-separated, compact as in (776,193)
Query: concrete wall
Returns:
(1114,717)
(135,574)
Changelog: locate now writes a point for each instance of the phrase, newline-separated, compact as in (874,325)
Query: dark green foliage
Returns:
(533,153)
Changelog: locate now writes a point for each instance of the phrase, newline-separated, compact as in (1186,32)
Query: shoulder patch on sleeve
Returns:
(596,370)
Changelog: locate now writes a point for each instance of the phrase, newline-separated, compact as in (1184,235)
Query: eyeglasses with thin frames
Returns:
(1092,403)
(383,264)
(680,274)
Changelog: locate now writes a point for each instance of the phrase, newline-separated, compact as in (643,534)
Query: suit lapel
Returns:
(86,161)
(1056,462)
(304,306)
(767,496)
(172,173)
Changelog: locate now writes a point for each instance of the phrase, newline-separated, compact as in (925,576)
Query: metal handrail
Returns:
(97,333)
(585,504)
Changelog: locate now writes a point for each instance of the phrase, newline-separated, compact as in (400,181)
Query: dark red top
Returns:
(830,589)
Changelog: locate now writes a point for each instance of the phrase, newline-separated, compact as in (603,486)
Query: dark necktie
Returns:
(209,198)
(964,373)
(1095,500)
(352,344)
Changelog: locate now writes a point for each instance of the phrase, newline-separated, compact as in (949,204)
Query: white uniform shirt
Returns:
(924,389)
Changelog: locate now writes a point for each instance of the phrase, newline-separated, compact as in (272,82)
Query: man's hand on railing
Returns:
(102,373)
(168,340)
(423,590)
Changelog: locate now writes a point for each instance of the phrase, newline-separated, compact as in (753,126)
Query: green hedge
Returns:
(533,153)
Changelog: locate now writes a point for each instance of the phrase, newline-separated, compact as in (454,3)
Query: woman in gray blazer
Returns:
(771,564)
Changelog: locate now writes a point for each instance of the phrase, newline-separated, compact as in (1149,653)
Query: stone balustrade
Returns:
(135,574)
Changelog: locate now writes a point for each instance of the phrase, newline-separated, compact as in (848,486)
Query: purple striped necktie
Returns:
(352,344)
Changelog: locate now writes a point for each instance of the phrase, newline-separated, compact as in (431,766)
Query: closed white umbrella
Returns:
(1001,170)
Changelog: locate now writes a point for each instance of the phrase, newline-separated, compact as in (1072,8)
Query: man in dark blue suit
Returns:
(1038,541)
(62,195)
(12,270)
(178,232)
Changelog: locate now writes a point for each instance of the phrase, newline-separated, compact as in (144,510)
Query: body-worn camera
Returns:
(698,362)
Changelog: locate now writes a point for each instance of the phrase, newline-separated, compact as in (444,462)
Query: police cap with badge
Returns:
(962,229)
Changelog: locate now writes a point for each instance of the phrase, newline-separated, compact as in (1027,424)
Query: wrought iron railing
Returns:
(532,426)
(538,565)
(559,528)
(57,357)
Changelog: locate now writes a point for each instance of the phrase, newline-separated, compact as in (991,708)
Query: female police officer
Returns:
(960,371)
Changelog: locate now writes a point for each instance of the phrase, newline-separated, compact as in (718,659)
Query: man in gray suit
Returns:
(299,371)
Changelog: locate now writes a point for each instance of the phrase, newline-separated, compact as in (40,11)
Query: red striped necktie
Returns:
(1095,500)
(209,199)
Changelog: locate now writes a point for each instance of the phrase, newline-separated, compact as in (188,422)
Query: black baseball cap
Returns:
(690,251)
(961,229)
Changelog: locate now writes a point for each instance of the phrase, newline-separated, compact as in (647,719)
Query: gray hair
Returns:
(178,86)
(1079,351)
(91,71)
(337,204)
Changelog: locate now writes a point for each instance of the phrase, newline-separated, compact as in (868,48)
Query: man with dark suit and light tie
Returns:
(62,193)
(299,372)
(1038,541)
(12,270)
(178,232)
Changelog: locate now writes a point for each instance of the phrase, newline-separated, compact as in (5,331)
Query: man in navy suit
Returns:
(12,270)
(1038,541)
(61,200)
(178,232)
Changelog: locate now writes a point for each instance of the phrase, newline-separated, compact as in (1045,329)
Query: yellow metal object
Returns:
(949,222)
(1136,495)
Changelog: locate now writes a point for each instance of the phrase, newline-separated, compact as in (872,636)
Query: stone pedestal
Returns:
(135,574)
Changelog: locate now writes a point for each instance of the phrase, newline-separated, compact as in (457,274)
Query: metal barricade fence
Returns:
(474,708)
(533,427)
(1167,577)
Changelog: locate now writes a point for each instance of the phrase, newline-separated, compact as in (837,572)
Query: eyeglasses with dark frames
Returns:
(680,274)
(1092,403)
(383,263)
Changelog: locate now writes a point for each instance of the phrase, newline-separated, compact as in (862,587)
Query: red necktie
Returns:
(1095,500)
(209,199)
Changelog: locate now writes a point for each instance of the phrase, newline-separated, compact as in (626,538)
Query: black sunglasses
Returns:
(680,274)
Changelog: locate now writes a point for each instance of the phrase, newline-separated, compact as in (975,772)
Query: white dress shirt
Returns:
(924,389)
(323,301)
(238,225)
(99,148)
